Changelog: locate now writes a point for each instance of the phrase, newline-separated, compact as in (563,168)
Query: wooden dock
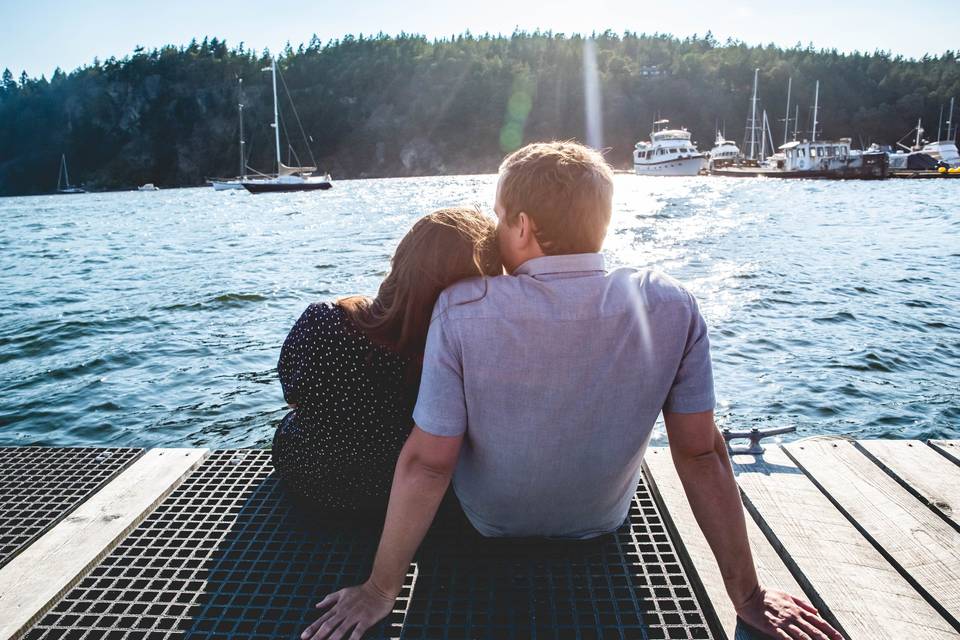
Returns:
(172,543)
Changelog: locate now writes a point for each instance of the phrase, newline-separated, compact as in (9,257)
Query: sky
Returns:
(37,36)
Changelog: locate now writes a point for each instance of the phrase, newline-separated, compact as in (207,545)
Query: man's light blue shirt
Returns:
(555,376)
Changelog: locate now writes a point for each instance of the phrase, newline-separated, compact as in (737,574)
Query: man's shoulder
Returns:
(474,297)
(654,287)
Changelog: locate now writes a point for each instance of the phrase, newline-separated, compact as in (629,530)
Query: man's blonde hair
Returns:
(565,188)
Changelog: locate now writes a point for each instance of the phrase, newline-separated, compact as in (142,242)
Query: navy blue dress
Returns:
(354,410)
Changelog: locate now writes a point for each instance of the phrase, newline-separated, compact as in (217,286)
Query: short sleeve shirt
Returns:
(556,376)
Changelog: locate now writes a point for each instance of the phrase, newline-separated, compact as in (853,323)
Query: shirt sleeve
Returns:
(441,405)
(692,389)
(299,364)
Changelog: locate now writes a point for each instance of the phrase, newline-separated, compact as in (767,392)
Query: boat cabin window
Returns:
(813,152)
(641,154)
(673,151)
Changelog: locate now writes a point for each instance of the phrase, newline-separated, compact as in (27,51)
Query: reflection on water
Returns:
(156,318)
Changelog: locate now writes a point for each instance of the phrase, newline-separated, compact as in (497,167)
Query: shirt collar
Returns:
(569,263)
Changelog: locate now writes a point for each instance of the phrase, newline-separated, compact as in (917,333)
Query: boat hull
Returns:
(226,185)
(281,187)
(676,167)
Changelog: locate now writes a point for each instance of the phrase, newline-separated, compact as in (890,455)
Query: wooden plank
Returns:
(770,569)
(924,472)
(40,574)
(838,568)
(924,548)
(947,448)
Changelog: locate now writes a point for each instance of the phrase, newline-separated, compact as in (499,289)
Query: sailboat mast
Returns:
(63,166)
(243,163)
(753,116)
(816,103)
(919,133)
(940,124)
(763,137)
(796,121)
(950,123)
(786,116)
(276,113)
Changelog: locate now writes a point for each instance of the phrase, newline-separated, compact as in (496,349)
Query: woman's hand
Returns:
(351,612)
(780,615)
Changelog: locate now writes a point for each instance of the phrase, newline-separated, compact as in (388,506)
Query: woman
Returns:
(351,370)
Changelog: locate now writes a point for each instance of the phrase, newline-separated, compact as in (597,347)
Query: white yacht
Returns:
(668,153)
(724,153)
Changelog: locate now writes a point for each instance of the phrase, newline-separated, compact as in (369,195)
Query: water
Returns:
(156,319)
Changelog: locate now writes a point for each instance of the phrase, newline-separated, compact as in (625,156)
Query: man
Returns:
(540,391)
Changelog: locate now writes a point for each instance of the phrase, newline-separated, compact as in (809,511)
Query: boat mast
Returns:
(916,145)
(63,168)
(753,117)
(786,116)
(950,123)
(243,163)
(796,121)
(940,124)
(816,103)
(276,113)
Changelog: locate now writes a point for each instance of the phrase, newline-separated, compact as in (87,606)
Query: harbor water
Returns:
(156,319)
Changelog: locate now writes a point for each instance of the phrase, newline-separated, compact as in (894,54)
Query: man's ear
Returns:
(528,229)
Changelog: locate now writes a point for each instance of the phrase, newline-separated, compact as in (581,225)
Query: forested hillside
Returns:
(405,105)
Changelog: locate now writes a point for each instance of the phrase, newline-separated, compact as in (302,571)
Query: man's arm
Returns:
(420,480)
(700,456)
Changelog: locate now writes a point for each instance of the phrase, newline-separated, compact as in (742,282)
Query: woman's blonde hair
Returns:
(441,248)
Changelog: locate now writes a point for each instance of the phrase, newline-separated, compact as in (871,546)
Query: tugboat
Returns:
(668,153)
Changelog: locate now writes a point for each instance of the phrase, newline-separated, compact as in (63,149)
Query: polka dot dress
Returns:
(337,450)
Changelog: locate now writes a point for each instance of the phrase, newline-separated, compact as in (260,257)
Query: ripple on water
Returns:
(158,321)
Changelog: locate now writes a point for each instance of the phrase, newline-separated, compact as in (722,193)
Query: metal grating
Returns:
(225,555)
(39,486)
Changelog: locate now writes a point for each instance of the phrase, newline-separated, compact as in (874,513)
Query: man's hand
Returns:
(780,615)
(350,612)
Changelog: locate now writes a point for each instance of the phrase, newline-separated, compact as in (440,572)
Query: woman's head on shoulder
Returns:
(441,248)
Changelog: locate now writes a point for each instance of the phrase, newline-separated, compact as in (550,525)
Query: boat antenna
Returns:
(786,115)
(816,104)
(796,121)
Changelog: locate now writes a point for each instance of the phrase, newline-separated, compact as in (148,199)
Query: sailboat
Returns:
(63,179)
(287,178)
(224,184)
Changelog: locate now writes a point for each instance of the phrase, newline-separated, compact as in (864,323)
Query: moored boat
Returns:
(286,178)
(63,179)
(669,152)
(724,153)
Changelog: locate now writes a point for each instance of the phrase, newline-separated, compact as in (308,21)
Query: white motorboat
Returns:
(148,187)
(944,150)
(669,152)
(724,153)
(226,184)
